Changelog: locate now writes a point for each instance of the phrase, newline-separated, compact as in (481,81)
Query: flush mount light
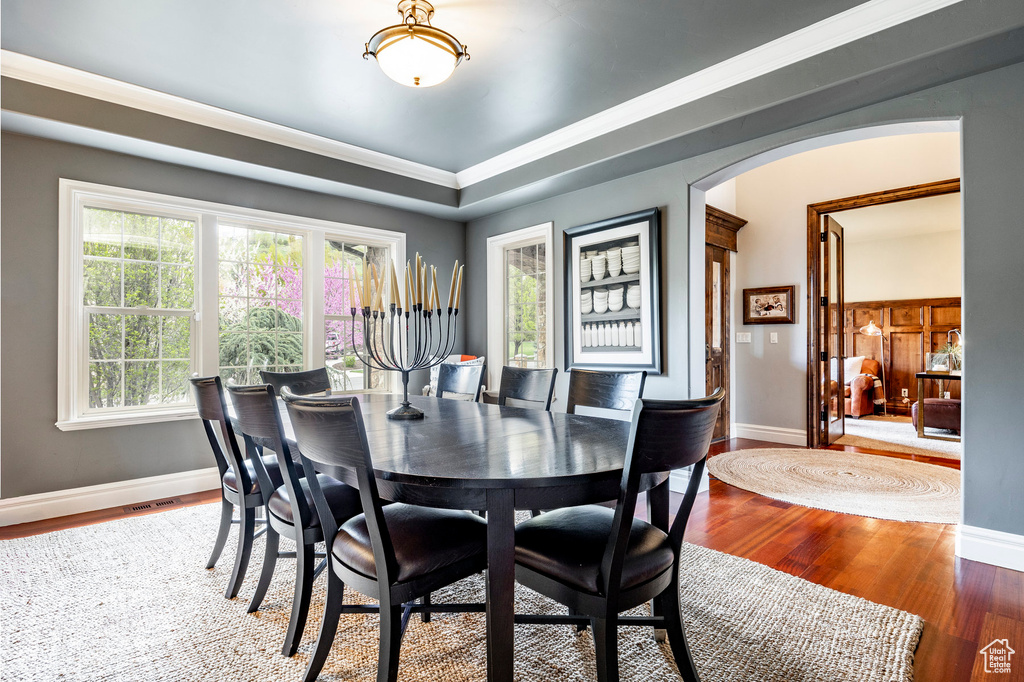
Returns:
(414,53)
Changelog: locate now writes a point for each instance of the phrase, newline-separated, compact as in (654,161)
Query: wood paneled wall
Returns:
(910,328)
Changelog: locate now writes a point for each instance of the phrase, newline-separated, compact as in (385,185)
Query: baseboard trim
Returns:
(28,508)
(774,434)
(990,547)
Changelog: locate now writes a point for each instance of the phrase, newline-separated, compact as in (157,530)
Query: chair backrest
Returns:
(527,385)
(259,422)
(301,383)
(462,380)
(212,409)
(664,435)
(330,431)
(605,390)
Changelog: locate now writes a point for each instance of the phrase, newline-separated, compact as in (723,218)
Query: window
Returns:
(132,327)
(519,298)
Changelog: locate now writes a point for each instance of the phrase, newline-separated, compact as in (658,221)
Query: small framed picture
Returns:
(769,305)
(613,293)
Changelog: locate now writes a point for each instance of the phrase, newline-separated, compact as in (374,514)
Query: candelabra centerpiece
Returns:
(403,336)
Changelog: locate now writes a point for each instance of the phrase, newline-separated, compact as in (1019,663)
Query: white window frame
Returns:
(497,305)
(72,412)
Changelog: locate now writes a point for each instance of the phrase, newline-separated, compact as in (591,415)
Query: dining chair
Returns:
(604,390)
(239,484)
(600,562)
(530,387)
(394,553)
(290,508)
(301,383)
(460,382)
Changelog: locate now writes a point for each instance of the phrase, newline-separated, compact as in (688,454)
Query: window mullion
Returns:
(205,350)
(313,300)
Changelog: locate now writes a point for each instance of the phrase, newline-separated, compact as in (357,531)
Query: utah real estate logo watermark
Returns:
(997,656)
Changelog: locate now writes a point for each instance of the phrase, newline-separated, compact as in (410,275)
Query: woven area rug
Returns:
(130,600)
(897,434)
(847,482)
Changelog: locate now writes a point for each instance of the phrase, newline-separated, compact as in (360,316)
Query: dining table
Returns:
(494,459)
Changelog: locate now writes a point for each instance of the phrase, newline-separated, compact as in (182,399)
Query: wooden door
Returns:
(716,330)
(832,408)
(720,237)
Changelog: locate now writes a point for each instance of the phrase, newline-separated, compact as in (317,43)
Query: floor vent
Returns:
(159,504)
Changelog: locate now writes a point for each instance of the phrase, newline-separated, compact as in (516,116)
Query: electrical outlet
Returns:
(905,392)
(773,337)
(742,337)
(947,395)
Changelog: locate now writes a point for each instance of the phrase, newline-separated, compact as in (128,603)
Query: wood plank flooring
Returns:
(908,566)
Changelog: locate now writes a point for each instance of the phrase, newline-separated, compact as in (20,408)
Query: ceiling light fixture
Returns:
(414,53)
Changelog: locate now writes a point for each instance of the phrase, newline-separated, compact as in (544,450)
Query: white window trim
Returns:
(71,317)
(496,303)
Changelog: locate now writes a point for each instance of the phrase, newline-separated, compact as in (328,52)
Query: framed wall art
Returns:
(769,305)
(612,293)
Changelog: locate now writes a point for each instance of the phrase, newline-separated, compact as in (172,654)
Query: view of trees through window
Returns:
(341,261)
(260,284)
(139,298)
(526,326)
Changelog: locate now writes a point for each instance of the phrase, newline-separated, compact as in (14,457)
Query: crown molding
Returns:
(827,34)
(49,74)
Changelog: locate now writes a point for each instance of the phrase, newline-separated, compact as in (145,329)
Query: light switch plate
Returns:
(742,337)
(773,337)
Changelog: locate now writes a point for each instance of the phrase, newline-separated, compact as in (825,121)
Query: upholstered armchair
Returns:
(859,392)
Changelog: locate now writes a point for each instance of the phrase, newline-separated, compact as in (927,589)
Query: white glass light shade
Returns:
(416,60)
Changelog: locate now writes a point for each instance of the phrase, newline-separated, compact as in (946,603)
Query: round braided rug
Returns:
(847,482)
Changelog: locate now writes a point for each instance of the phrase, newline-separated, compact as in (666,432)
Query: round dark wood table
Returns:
(466,455)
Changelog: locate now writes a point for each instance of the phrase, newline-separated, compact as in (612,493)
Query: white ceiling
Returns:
(902,219)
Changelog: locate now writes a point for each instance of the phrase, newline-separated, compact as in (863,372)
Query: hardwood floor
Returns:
(908,566)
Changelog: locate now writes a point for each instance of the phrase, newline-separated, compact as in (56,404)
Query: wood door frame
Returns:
(814,215)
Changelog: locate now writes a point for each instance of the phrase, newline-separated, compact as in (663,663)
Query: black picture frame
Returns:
(598,340)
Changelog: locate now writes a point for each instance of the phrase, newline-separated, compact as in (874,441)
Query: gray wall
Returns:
(991,106)
(35,456)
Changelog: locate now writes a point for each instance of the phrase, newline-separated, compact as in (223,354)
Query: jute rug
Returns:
(847,482)
(897,434)
(129,600)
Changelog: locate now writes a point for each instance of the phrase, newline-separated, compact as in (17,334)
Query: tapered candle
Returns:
(408,286)
(423,286)
(433,288)
(416,280)
(458,288)
(395,298)
(366,286)
(451,290)
(437,300)
(375,293)
(430,298)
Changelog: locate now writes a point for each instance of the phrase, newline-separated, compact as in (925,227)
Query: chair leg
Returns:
(425,616)
(606,646)
(245,532)
(328,626)
(669,601)
(305,562)
(580,627)
(267,573)
(226,511)
(390,643)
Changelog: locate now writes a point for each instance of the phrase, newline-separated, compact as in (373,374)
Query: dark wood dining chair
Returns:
(240,485)
(290,508)
(604,390)
(600,562)
(395,553)
(528,387)
(301,383)
(460,382)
